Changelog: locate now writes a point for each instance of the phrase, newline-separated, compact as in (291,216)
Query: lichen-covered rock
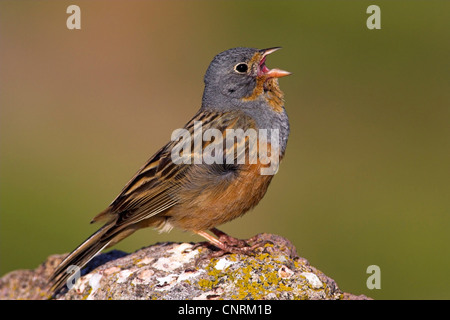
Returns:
(185,271)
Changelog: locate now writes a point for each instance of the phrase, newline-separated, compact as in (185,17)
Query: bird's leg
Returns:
(216,242)
(228,244)
(223,237)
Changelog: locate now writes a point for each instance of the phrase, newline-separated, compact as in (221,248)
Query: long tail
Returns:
(79,257)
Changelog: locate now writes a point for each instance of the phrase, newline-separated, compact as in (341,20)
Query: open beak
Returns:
(269,73)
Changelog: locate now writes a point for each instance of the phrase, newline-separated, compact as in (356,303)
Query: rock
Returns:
(185,271)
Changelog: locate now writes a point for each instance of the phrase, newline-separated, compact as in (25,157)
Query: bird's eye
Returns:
(241,67)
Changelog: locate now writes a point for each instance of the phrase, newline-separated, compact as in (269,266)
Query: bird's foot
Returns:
(225,244)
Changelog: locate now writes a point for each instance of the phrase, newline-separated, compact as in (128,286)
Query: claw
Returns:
(225,244)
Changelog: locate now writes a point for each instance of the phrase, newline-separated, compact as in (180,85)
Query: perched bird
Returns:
(241,93)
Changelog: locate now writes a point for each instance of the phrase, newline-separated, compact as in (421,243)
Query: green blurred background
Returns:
(366,177)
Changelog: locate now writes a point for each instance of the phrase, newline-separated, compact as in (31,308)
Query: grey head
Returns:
(235,74)
(239,80)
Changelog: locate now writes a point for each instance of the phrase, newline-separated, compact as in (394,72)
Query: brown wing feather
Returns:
(155,187)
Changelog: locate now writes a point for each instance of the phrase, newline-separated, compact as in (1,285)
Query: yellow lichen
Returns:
(255,280)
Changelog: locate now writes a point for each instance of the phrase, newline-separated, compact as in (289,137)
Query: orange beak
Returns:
(270,73)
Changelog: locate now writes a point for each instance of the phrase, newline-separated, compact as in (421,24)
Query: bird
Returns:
(240,93)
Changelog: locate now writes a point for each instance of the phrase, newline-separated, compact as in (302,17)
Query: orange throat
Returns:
(269,90)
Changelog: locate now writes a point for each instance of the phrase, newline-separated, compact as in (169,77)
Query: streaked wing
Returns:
(156,186)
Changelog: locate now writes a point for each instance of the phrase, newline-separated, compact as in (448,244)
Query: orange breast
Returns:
(220,201)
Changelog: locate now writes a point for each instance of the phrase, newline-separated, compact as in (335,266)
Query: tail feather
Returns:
(81,256)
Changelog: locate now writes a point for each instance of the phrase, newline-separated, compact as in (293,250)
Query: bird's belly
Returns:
(211,204)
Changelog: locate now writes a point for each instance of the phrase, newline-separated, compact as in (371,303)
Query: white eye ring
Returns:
(241,67)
